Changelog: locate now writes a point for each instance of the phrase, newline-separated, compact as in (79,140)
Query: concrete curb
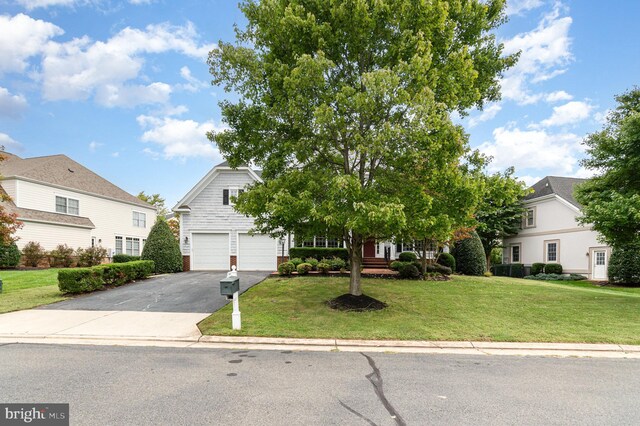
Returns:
(342,345)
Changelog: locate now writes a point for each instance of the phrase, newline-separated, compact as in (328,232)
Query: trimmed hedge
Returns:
(447,259)
(124,258)
(163,248)
(556,277)
(286,268)
(304,268)
(407,256)
(537,268)
(9,256)
(469,255)
(408,271)
(319,253)
(82,280)
(624,266)
(552,268)
(514,270)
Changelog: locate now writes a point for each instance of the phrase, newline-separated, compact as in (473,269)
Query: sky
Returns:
(124,88)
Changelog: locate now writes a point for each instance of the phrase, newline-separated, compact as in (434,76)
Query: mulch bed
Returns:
(349,302)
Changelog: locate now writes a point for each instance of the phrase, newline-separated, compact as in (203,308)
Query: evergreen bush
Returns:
(9,256)
(163,249)
(624,266)
(469,255)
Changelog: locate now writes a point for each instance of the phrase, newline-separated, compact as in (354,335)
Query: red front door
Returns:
(370,248)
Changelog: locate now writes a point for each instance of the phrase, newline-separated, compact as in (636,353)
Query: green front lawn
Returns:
(28,289)
(466,308)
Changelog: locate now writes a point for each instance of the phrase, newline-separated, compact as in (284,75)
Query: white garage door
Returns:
(256,253)
(210,252)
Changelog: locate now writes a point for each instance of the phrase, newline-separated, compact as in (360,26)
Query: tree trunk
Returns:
(355,286)
(424,256)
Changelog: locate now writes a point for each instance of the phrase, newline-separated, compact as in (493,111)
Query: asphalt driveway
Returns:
(189,292)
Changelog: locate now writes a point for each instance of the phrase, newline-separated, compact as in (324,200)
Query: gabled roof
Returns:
(563,187)
(183,204)
(62,171)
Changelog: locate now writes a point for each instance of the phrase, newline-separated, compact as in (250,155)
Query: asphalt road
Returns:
(194,292)
(157,386)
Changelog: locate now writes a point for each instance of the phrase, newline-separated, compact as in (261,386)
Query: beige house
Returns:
(551,234)
(62,202)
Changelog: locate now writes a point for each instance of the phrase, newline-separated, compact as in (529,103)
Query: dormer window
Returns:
(66,205)
(530,218)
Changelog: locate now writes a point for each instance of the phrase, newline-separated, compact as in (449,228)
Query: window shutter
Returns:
(240,191)
(225,197)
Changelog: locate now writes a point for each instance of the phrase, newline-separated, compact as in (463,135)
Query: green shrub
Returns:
(407,256)
(440,269)
(80,280)
(556,277)
(537,268)
(303,268)
(336,263)
(319,252)
(313,262)
(447,259)
(61,256)
(624,266)
(91,256)
(296,261)
(32,253)
(163,249)
(124,258)
(9,256)
(396,264)
(469,255)
(517,270)
(553,268)
(286,268)
(495,257)
(408,271)
(500,270)
(324,267)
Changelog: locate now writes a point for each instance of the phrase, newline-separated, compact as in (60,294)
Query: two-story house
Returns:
(60,201)
(551,234)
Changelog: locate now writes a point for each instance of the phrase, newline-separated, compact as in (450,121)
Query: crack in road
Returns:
(351,410)
(376,380)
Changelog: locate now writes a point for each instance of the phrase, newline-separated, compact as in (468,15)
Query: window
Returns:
(318,242)
(133,246)
(552,251)
(229,194)
(118,245)
(515,254)
(93,241)
(530,218)
(67,206)
(139,220)
(600,258)
(332,243)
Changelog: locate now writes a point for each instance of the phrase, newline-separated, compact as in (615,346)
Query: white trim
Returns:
(550,197)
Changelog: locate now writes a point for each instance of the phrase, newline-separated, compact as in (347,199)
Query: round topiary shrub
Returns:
(9,256)
(163,249)
(337,264)
(303,268)
(551,268)
(447,259)
(324,267)
(537,268)
(286,268)
(408,271)
(313,262)
(624,266)
(469,255)
(407,256)
(296,261)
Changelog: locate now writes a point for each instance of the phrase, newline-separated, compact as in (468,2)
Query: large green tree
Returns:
(500,211)
(611,199)
(339,101)
(156,201)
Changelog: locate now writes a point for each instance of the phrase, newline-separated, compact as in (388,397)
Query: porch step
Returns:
(374,262)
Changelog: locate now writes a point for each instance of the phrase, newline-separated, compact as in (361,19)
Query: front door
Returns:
(370,248)
(599,265)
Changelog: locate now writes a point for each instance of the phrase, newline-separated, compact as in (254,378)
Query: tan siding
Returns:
(49,236)
(10,187)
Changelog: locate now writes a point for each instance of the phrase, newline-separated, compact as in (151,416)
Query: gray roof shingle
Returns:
(63,171)
(562,186)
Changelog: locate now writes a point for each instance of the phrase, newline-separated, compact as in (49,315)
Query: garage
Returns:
(210,252)
(256,253)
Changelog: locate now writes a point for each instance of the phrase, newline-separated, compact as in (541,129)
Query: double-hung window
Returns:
(139,220)
(67,206)
(530,218)
(133,246)
(229,195)
(515,254)
(118,245)
(552,251)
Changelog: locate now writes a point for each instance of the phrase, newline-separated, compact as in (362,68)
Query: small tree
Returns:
(163,249)
(61,256)
(91,256)
(156,201)
(469,254)
(624,265)
(174,225)
(33,253)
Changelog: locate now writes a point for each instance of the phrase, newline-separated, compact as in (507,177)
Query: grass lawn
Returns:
(28,289)
(465,308)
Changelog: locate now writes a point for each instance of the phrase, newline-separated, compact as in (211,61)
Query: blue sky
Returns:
(123,87)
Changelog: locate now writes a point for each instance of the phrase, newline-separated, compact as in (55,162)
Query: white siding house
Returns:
(551,234)
(62,202)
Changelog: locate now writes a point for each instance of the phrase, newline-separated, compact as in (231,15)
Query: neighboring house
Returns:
(551,234)
(213,236)
(62,202)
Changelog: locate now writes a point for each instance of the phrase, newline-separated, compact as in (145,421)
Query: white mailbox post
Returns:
(236,320)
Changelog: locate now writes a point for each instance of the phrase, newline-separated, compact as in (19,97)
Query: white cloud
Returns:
(569,113)
(515,7)
(193,84)
(35,4)
(81,68)
(179,138)
(11,105)
(115,154)
(487,114)
(9,144)
(558,96)
(529,180)
(21,38)
(533,150)
(545,52)
(93,145)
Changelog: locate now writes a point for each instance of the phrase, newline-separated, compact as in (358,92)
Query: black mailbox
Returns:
(229,285)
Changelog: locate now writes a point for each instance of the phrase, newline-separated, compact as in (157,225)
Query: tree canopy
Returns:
(155,200)
(611,199)
(346,108)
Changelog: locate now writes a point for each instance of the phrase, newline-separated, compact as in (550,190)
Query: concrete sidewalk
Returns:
(168,329)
